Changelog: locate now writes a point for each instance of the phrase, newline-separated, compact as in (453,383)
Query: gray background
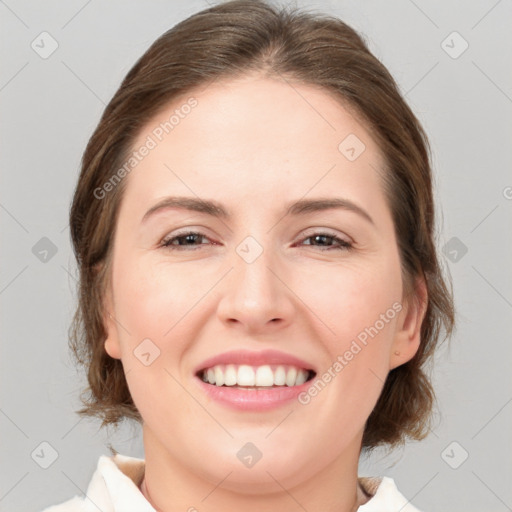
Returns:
(49,108)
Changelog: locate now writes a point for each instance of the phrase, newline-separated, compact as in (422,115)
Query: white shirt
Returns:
(114,487)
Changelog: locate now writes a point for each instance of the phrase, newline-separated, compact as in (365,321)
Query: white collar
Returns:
(114,487)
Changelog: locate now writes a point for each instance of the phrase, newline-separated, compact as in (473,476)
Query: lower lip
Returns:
(261,399)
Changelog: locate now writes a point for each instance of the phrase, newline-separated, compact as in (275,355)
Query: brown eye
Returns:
(182,240)
(324,239)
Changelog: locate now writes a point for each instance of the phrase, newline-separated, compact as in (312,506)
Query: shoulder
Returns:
(113,486)
(385,496)
(96,491)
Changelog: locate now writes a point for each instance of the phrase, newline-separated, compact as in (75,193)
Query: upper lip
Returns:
(252,358)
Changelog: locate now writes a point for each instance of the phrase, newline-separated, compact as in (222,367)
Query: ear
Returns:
(112,345)
(408,330)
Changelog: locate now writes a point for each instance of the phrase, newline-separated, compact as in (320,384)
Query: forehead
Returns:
(254,135)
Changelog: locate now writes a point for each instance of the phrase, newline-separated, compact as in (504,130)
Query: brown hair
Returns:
(230,40)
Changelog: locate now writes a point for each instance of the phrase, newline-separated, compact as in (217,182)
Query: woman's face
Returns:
(259,278)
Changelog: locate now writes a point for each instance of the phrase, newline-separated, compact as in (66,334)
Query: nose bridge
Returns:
(254,278)
(254,295)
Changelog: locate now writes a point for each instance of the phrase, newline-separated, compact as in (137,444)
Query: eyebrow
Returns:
(216,209)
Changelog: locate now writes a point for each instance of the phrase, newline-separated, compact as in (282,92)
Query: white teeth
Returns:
(230,375)
(291,376)
(259,376)
(245,375)
(302,377)
(264,376)
(280,376)
(219,376)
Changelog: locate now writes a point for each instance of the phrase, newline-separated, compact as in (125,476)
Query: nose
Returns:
(255,295)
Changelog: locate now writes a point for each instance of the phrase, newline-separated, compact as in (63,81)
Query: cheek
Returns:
(152,299)
(358,310)
(152,303)
(349,299)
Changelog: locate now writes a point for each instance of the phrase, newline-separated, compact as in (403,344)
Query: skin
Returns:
(254,144)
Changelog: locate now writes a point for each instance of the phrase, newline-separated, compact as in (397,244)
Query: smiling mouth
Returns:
(255,377)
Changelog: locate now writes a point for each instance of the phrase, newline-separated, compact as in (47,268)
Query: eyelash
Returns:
(343,244)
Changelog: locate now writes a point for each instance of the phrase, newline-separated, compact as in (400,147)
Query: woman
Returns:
(259,283)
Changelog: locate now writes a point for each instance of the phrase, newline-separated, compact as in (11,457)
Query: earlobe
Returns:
(112,346)
(408,336)
(112,349)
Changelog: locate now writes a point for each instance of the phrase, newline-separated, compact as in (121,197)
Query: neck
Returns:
(170,486)
(362,497)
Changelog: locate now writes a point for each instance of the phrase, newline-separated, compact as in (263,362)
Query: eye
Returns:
(183,240)
(188,241)
(325,238)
